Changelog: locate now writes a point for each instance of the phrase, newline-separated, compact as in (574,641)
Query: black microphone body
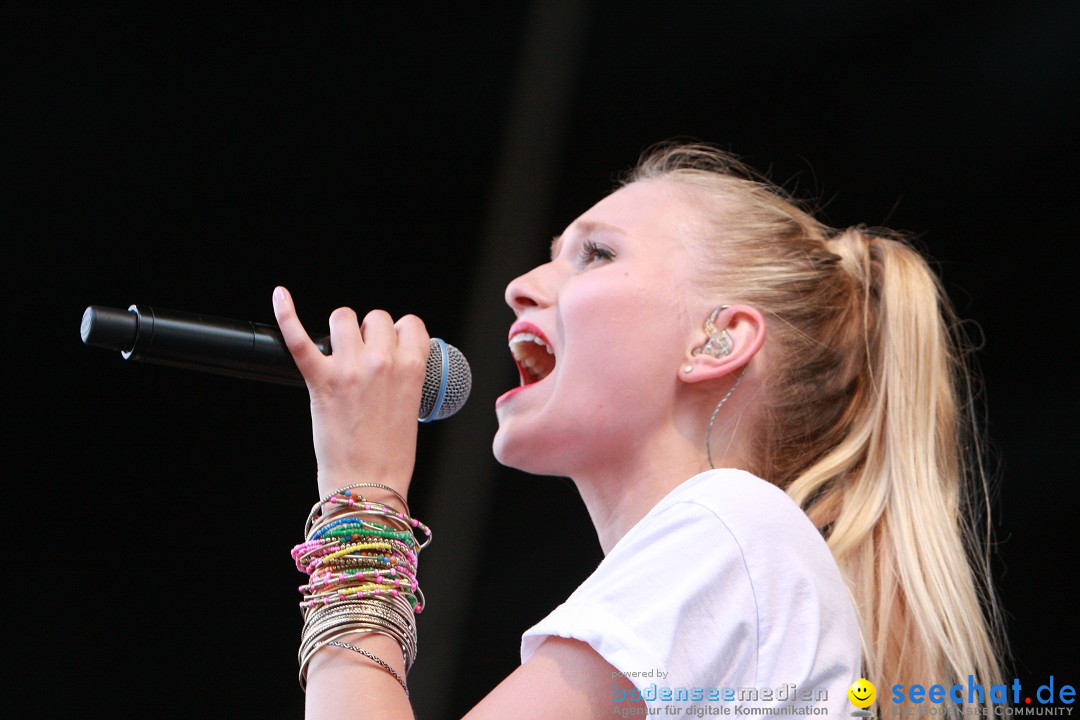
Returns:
(244,349)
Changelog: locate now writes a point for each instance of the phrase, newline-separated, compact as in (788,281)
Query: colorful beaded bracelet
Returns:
(361,561)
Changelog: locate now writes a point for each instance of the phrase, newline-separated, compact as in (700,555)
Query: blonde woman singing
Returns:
(765,418)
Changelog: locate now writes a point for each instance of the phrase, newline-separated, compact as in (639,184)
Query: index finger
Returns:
(305,353)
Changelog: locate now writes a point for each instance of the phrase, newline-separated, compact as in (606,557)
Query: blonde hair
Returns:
(866,420)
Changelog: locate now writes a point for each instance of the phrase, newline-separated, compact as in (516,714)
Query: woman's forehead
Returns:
(647,205)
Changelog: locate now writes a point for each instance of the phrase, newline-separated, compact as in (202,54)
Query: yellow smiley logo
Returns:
(862,693)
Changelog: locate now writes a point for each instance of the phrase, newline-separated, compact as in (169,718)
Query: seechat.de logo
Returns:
(1005,699)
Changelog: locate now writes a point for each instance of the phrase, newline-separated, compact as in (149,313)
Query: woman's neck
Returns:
(618,492)
(618,495)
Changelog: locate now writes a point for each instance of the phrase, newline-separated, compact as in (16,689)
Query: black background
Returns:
(193,157)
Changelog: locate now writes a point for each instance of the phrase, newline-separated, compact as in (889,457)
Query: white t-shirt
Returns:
(724,594)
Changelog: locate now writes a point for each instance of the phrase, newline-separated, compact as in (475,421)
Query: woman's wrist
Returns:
(387,491)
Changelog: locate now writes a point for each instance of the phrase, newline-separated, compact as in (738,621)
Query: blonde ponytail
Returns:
(864,420)
(892,493)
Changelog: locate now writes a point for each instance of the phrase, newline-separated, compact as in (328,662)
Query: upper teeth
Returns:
(522,337)
(534,364)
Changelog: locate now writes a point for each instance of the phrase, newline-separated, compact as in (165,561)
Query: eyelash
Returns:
(591,252)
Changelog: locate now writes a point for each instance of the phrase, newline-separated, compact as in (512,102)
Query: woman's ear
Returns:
(726,341)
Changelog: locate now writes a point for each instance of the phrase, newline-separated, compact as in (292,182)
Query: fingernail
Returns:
(279,294)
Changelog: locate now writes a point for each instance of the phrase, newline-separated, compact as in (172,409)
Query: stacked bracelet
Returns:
(361,563)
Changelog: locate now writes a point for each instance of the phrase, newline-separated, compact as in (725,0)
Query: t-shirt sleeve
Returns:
(671,604)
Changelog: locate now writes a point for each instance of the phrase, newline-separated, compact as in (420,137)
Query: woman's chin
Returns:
(516,453)
(505,450)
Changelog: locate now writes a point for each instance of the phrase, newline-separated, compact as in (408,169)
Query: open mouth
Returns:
(534,357)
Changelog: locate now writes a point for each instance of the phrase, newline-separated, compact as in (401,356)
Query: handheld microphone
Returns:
(251,350)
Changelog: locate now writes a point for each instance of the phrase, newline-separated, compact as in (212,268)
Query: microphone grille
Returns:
(447,383)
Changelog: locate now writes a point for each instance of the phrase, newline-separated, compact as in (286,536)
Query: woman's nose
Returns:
(528,291)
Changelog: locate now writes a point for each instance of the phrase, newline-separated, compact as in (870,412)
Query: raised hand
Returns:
(364,397)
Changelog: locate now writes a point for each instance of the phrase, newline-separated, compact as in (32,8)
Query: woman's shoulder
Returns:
(747,506)
(743,528)
(727,488)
